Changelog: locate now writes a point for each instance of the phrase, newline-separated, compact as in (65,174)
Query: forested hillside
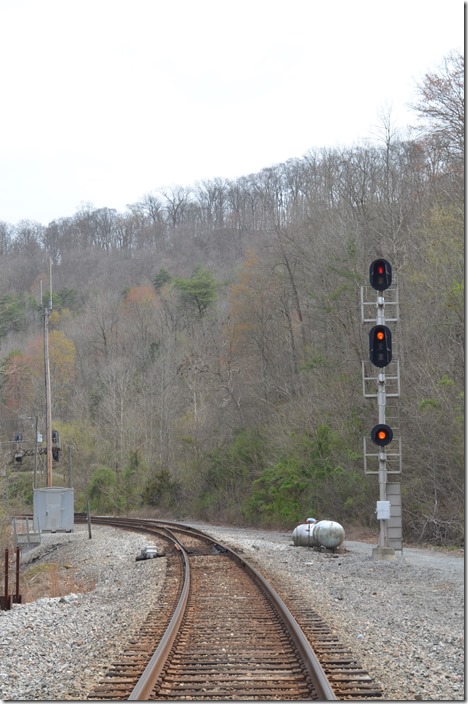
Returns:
(206,344)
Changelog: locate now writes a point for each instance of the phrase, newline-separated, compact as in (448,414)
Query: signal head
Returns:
(380,346)
(382,434)
(380,274)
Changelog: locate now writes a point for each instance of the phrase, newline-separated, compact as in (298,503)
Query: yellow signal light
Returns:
(382,434)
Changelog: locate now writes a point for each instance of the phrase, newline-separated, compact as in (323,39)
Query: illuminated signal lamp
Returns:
(382,434)
(380,274)
(380,346)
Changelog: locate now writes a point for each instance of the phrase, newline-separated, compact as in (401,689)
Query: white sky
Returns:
(106,100)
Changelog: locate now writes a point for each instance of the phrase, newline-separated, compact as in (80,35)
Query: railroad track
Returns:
(220,632)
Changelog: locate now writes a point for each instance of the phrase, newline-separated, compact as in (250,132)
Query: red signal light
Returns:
(380,335)
(380,274)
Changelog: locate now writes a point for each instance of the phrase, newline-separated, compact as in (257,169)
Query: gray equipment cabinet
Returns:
(53,510)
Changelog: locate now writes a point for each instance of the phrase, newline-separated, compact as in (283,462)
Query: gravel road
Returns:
(403,620)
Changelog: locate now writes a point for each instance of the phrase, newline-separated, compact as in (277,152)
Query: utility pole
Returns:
(5,483)
(46,313)
(52,506)
(35,452)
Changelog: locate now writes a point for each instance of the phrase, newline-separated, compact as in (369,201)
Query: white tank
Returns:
(304,535)
(327,534)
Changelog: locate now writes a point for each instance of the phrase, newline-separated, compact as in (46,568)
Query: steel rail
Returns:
(145,685)
(148,679)
(313,666)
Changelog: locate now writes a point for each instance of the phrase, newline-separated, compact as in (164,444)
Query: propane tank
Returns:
(304,535)
(327,534)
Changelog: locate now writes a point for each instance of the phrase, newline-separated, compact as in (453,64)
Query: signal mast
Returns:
(380,355)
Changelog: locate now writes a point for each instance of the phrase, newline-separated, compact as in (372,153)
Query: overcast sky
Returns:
(104,101)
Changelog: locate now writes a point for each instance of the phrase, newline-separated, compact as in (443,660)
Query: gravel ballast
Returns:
(58,648)
(402,619)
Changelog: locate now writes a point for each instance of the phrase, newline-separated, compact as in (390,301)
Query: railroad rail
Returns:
(221,632)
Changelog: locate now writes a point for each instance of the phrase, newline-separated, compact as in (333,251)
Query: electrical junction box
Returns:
(383,510)
(53,509)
